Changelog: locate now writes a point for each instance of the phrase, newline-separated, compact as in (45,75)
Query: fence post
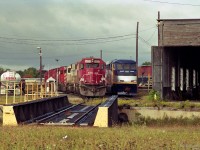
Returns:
(14,92)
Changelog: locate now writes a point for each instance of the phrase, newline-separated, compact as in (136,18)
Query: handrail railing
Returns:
(13,92)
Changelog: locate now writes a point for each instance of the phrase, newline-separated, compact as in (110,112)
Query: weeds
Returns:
(167,121)
(154,97)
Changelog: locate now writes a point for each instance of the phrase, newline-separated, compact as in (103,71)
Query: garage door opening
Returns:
(176,72)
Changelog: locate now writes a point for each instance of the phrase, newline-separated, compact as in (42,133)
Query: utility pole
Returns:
(158,28)
(40,53)
(137,51)
(57,75)
(101,54)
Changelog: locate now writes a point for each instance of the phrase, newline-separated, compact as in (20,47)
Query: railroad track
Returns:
(74,115)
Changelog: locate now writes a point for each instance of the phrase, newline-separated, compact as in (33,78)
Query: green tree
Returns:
(21,73)
(146,63)
(31,72)
(1,70)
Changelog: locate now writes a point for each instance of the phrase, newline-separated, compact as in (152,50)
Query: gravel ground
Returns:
(74,98)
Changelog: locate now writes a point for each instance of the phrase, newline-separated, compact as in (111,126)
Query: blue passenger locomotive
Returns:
(121,77)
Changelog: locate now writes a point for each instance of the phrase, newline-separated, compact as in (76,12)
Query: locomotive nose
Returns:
(93,76)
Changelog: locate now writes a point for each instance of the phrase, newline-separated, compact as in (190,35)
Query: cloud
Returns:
(26,25)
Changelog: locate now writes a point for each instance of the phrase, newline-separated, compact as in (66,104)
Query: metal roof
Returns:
(178,19)
(128,61)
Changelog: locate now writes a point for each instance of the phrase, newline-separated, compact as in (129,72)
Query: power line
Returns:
(67,40)
(153,27)
(34,41)
(146,42)
(172,3)
(151,36)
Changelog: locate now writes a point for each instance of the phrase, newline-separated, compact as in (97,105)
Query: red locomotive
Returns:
(87,77)
(60,76)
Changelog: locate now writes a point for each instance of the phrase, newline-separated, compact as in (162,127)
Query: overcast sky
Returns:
(69,30)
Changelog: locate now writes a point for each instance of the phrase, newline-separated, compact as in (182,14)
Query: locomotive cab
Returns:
(91,75)
(121,76)
(87,77)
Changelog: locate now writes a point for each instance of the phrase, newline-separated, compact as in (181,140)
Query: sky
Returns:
(69,30)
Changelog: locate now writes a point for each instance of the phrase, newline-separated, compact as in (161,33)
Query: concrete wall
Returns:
(158,114)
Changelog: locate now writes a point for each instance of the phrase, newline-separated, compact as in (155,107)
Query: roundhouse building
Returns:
(175,61)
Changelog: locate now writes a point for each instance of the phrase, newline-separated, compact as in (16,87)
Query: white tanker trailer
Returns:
(10,80)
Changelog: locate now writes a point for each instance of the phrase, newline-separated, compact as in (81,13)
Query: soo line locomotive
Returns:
(92,77)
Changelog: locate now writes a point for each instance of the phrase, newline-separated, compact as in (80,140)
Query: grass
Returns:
(125,137)
(11,100)
(143,133)
(142,100)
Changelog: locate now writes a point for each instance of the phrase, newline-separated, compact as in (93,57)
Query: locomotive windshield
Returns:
(92,65)
(125,66)
(126,69)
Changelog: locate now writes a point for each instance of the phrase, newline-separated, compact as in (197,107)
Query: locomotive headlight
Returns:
(103,79)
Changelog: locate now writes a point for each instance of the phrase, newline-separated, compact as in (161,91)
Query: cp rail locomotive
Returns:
(86,77)
(121,77)
(60,75)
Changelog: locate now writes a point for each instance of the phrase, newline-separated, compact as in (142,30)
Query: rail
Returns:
(78,115)
(87,114)
(56,113)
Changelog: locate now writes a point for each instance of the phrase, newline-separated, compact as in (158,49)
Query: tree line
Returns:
(31,72)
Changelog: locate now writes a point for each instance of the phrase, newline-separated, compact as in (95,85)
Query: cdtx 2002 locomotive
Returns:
(121,77)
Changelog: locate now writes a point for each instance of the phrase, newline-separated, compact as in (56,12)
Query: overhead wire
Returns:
(172,3)
(143,40)
(67,40)
(80,41)
(151,36)
(153,27)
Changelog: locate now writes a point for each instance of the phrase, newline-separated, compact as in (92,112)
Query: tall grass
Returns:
(125,137)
